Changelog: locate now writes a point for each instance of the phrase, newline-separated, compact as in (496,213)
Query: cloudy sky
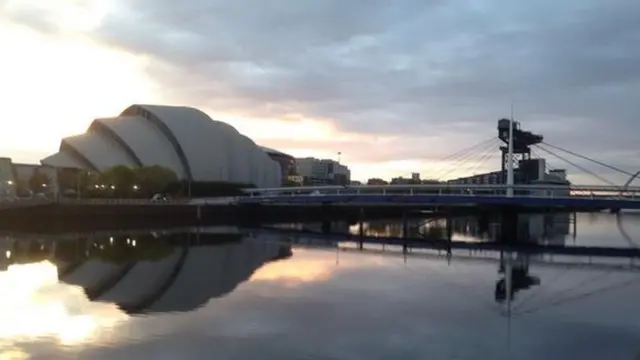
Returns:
(393,85)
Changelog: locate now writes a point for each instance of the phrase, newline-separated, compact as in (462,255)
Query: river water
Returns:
(228,293)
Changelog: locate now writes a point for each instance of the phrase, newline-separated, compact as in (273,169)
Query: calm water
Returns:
(229,294)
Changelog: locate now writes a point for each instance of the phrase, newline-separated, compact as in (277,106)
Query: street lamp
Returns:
(9,192)
(136,187)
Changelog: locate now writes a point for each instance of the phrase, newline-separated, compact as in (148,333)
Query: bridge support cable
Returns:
(466,163)
(471,167)
(460,154)
(633,177)
(588,159)
(482,160)
(577,166)
(470,149)
(467,158)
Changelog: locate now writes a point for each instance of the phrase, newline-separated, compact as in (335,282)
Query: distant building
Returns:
(403,181)
(323,171)
(528,172)
(413,180)
(287,162)
(377,181)
(356,182)
(15,178)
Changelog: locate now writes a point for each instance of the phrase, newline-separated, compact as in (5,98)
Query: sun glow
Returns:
(35,305)
(55,86)
(296,270)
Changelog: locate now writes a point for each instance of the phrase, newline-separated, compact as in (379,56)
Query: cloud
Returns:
(425,69)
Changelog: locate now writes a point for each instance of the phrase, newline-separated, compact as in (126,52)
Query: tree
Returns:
(376,181)
(153,179)
(86,183)
(117,180)
(38,182)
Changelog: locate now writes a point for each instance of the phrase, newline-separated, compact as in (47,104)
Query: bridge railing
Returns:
(454,189)
(16,203)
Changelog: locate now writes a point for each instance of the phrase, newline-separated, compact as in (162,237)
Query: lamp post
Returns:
(510,155)
(9,189)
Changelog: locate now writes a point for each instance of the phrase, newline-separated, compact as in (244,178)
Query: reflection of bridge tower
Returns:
(522,141)
(516,276)
(549,228)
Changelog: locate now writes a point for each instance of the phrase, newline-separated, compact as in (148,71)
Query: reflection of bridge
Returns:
(549,228)
(552,255)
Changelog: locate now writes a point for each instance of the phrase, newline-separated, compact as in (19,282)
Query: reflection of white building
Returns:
(183,281)
(183,139)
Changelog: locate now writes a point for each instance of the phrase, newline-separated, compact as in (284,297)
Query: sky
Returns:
(394,86)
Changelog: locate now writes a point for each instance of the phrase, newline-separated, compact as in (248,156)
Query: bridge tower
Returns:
(522,142)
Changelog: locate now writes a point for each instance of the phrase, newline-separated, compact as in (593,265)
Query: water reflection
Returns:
(541,228)
(230,293)
(34,305)
(515,271)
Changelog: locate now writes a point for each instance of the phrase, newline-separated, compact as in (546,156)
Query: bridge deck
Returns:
(583,202)
(583,197)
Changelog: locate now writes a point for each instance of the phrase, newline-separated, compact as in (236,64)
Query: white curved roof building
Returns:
(183,139)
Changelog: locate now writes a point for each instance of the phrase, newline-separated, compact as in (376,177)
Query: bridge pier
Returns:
(405,225)
(483,223)
(509,224)
(326,227)
(449,224)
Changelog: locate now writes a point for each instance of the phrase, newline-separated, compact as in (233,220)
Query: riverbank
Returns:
(125,215)
(76,217)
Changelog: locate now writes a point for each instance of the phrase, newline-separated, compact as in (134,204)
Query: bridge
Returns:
(523,182)
(587,198)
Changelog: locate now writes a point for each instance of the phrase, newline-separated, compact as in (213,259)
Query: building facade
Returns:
(528,172)
(323,172)
(183,139)
(22,180)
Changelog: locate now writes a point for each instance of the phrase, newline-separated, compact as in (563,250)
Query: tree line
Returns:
(117,181)
(125,182)
(142,182)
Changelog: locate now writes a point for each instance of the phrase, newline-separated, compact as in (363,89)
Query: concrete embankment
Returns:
(60,217)
(97,216)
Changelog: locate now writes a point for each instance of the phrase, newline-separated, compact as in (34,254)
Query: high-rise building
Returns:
(323,171)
